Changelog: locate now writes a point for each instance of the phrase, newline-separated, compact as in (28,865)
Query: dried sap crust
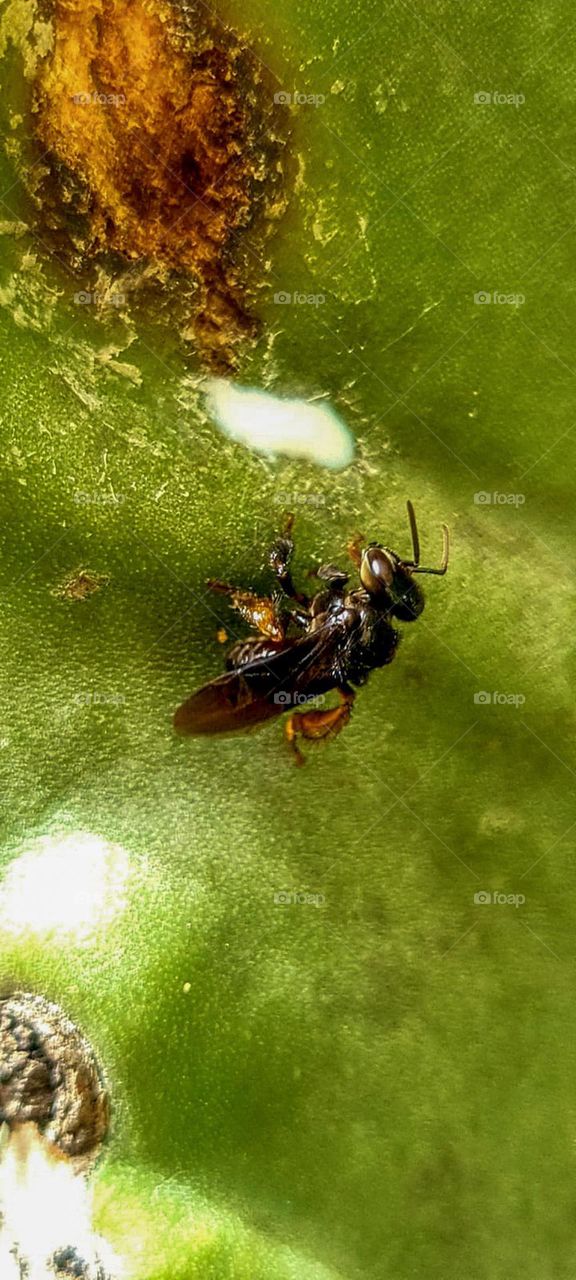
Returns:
(164,145)
(49,1077)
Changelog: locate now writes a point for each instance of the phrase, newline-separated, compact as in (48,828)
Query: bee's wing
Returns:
(260,690)
(223,705)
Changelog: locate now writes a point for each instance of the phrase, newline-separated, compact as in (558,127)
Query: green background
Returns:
(383,1085)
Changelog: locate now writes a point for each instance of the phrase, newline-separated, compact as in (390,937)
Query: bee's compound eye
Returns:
(376,570)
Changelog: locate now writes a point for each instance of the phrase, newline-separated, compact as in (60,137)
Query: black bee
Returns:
(306,648)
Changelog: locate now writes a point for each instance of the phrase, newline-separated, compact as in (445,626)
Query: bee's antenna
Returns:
(415,538)
(445,556)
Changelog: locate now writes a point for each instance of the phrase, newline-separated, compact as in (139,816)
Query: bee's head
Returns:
(389,580)
(390,584)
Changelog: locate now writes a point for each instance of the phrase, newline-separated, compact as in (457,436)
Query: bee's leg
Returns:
(260,612)
(315,725)
(279,559)
(355,548)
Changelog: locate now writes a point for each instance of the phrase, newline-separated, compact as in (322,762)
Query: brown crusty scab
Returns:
(163,147)
(80,585)
(49,1077)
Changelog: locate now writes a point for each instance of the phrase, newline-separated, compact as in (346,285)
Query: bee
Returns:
(306,648)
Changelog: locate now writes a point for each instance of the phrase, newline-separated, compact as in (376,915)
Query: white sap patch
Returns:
(274,425)
(45,1209)
(71,886)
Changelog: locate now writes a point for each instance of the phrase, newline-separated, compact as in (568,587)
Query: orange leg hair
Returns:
(259,612)
(316,725)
